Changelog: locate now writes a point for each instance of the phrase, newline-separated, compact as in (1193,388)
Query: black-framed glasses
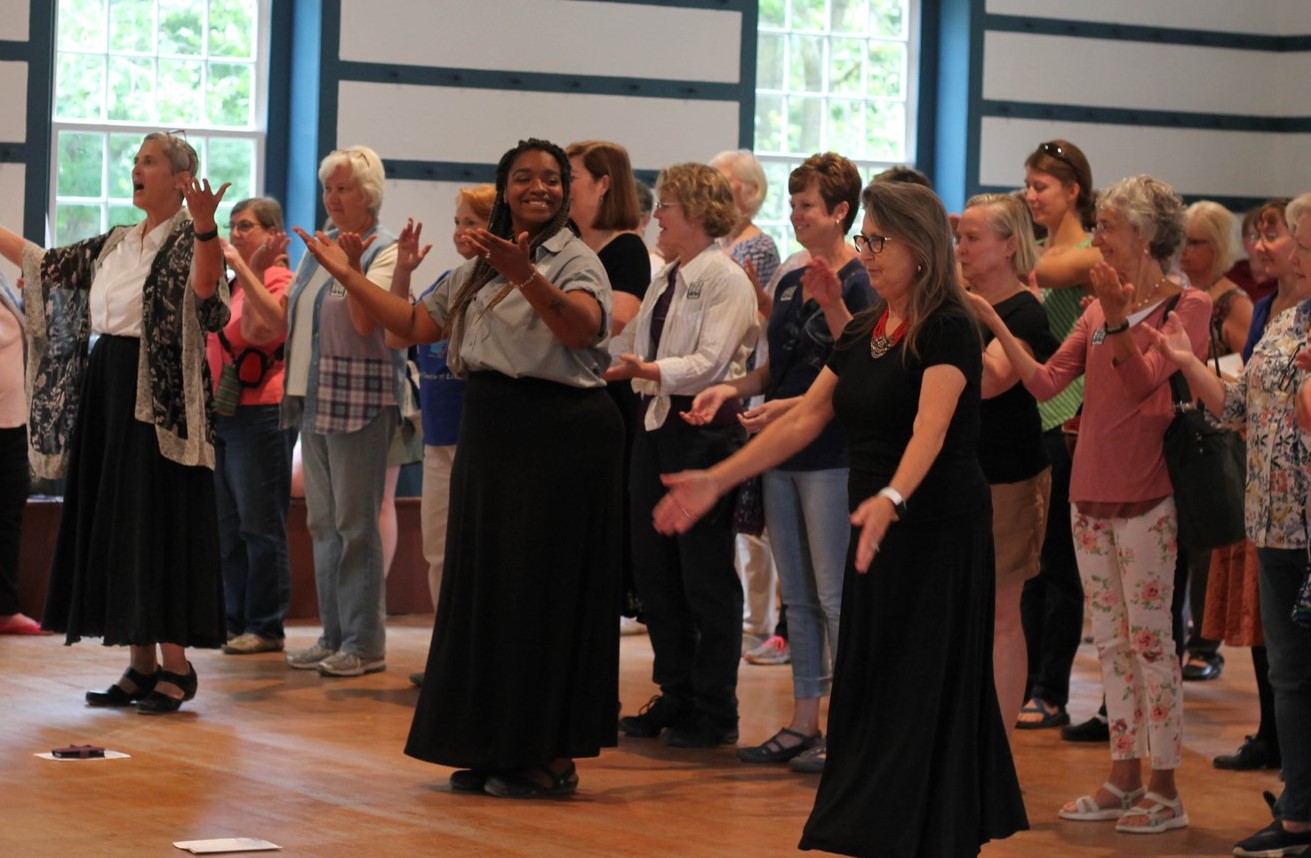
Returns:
(1055,150)
(241,227)
(870,243)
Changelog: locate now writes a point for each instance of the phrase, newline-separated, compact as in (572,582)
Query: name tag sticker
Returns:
(694,291)
(1099,336)
(337,291)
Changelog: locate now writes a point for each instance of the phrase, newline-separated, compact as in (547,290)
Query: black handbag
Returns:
(1208,468)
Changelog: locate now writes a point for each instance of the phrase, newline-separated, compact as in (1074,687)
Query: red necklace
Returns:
(879,342)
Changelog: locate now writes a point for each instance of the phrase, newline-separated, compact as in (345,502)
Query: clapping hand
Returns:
(1115,297)
(354,247)
(327,251)
(202,202)
(820,282)
(1171,340)
(274,247)
(409,253)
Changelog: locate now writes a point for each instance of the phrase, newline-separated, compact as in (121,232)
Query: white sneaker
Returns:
(773,651)
(346,664)
(308,658)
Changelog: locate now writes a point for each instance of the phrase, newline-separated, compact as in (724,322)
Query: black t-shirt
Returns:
(877,399)
(1010,441)
(627,264)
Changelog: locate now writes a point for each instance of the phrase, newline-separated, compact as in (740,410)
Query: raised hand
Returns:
(274,248)
(409,253)
(231,255)
(691,495)
(354,247)
(984,311)
(509,258)
(202,202)
(820,282)
(1171,341)
(326,250)
(1116,298)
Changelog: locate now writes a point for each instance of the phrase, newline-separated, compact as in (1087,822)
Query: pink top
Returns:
(276,280)
(13,395)
(1126,408)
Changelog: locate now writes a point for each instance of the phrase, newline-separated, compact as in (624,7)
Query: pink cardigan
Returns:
(1126,408)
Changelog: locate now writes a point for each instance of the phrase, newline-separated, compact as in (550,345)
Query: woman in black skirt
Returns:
(136,560)
(533,541)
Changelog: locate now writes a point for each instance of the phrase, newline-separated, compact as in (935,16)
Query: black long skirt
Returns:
(524,662)
(918,763)
(137,557)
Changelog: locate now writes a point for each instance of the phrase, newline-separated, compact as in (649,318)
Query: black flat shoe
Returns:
(116,696)
(470,780)
(159,703)
(774,751)
(1256,753)
(1200,667)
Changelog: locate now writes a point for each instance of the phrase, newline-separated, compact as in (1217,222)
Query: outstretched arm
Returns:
(207,264)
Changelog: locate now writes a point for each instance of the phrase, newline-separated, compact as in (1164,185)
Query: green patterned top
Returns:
(1063,310)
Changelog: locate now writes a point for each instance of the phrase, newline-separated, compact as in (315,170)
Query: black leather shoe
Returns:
(1275,840)
(1092,730)
(116,696)
(159,703)
(1255,753)
(660,712)
(701,732)
(1201,666)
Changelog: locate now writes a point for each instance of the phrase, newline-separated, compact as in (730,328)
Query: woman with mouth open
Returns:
(137,560)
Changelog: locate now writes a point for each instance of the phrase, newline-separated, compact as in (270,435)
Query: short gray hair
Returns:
(366,168)
(1296,210)
(177,150)
(1153,209)
(745,167)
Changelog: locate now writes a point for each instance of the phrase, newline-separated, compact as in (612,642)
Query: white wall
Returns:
(13,121)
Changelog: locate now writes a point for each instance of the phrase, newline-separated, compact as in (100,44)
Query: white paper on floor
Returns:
(109,755)
(226,844)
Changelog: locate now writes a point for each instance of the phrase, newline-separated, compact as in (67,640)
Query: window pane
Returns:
(805,118)
(887,18)
(180,100)
(769,62)
(132,26)
(849,16)
(81,165)
(79,87)
(806,72)
(231,160)
(846,72)
(773,14)
(230,95)
(124,215)
(81,25)
(886,62)
(232,23)
(122,152)
(846,132)
(809,15)
(75,222)
(131,89)
(769,123)
(181,27)
(885,126)
(776,206)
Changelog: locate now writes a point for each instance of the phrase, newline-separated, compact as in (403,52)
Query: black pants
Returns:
(1051,607)
(688,584)
(15,480)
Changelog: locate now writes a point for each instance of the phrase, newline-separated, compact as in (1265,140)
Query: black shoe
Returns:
(1274,841)
(660,712)
(116,696)
(1255,753)
(470,780)
(1093,730)
(1201,666)
(159,703)
(701,732)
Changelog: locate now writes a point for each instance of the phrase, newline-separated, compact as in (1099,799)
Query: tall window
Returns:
(832,75)
(125,68)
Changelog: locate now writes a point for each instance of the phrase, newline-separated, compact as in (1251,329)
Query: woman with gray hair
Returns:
(1124,515)
(996,251)
(343,387)
(136,558)
(1210,249)
(755,251)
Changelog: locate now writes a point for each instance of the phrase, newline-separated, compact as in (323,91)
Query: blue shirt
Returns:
(441,394)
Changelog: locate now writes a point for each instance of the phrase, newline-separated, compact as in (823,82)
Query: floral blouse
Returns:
(1278,453)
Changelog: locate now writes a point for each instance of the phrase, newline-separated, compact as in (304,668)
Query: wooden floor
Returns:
(315,765)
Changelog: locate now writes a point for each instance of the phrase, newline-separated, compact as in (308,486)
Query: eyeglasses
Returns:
(1195,242)
(1055,150)
(1268,237)
(870,243)
(659,206)
(241,227)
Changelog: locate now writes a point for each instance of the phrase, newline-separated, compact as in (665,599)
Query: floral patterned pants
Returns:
(1127,567)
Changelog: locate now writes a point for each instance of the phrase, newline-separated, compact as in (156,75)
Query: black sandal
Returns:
(774,751)
(470,780)
(115,695)
(159,703)
(519,785)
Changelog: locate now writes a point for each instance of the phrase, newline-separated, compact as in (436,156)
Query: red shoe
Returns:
(20,624)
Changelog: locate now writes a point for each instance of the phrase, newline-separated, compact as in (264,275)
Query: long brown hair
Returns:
(1066,162)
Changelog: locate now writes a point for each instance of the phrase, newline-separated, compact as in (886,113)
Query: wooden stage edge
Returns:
(315,765)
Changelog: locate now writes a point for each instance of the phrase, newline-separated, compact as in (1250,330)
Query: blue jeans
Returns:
(809,529)
(252,485)
(1289,648)
(344,477)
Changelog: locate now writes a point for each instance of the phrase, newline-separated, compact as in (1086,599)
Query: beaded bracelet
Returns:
(524,282)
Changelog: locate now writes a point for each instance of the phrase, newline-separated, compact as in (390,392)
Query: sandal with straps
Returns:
(116,695)
(1086,808)
(774,751)
(519,785)
(1156,823)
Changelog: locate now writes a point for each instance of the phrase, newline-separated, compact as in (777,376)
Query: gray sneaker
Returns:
(308,658)
(251,643)
(345,664)
(810,762)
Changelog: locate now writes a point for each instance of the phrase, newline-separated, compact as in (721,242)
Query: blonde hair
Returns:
(1008,217)
(366,169)
(704,194)
(1217,223)
(1296,209)
(745,167)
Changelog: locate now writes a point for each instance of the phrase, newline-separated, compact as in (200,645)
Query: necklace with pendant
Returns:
(880,343)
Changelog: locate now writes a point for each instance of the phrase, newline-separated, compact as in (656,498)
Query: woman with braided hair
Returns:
(540,451)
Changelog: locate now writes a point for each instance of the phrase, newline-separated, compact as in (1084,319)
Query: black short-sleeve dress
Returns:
(918,762)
